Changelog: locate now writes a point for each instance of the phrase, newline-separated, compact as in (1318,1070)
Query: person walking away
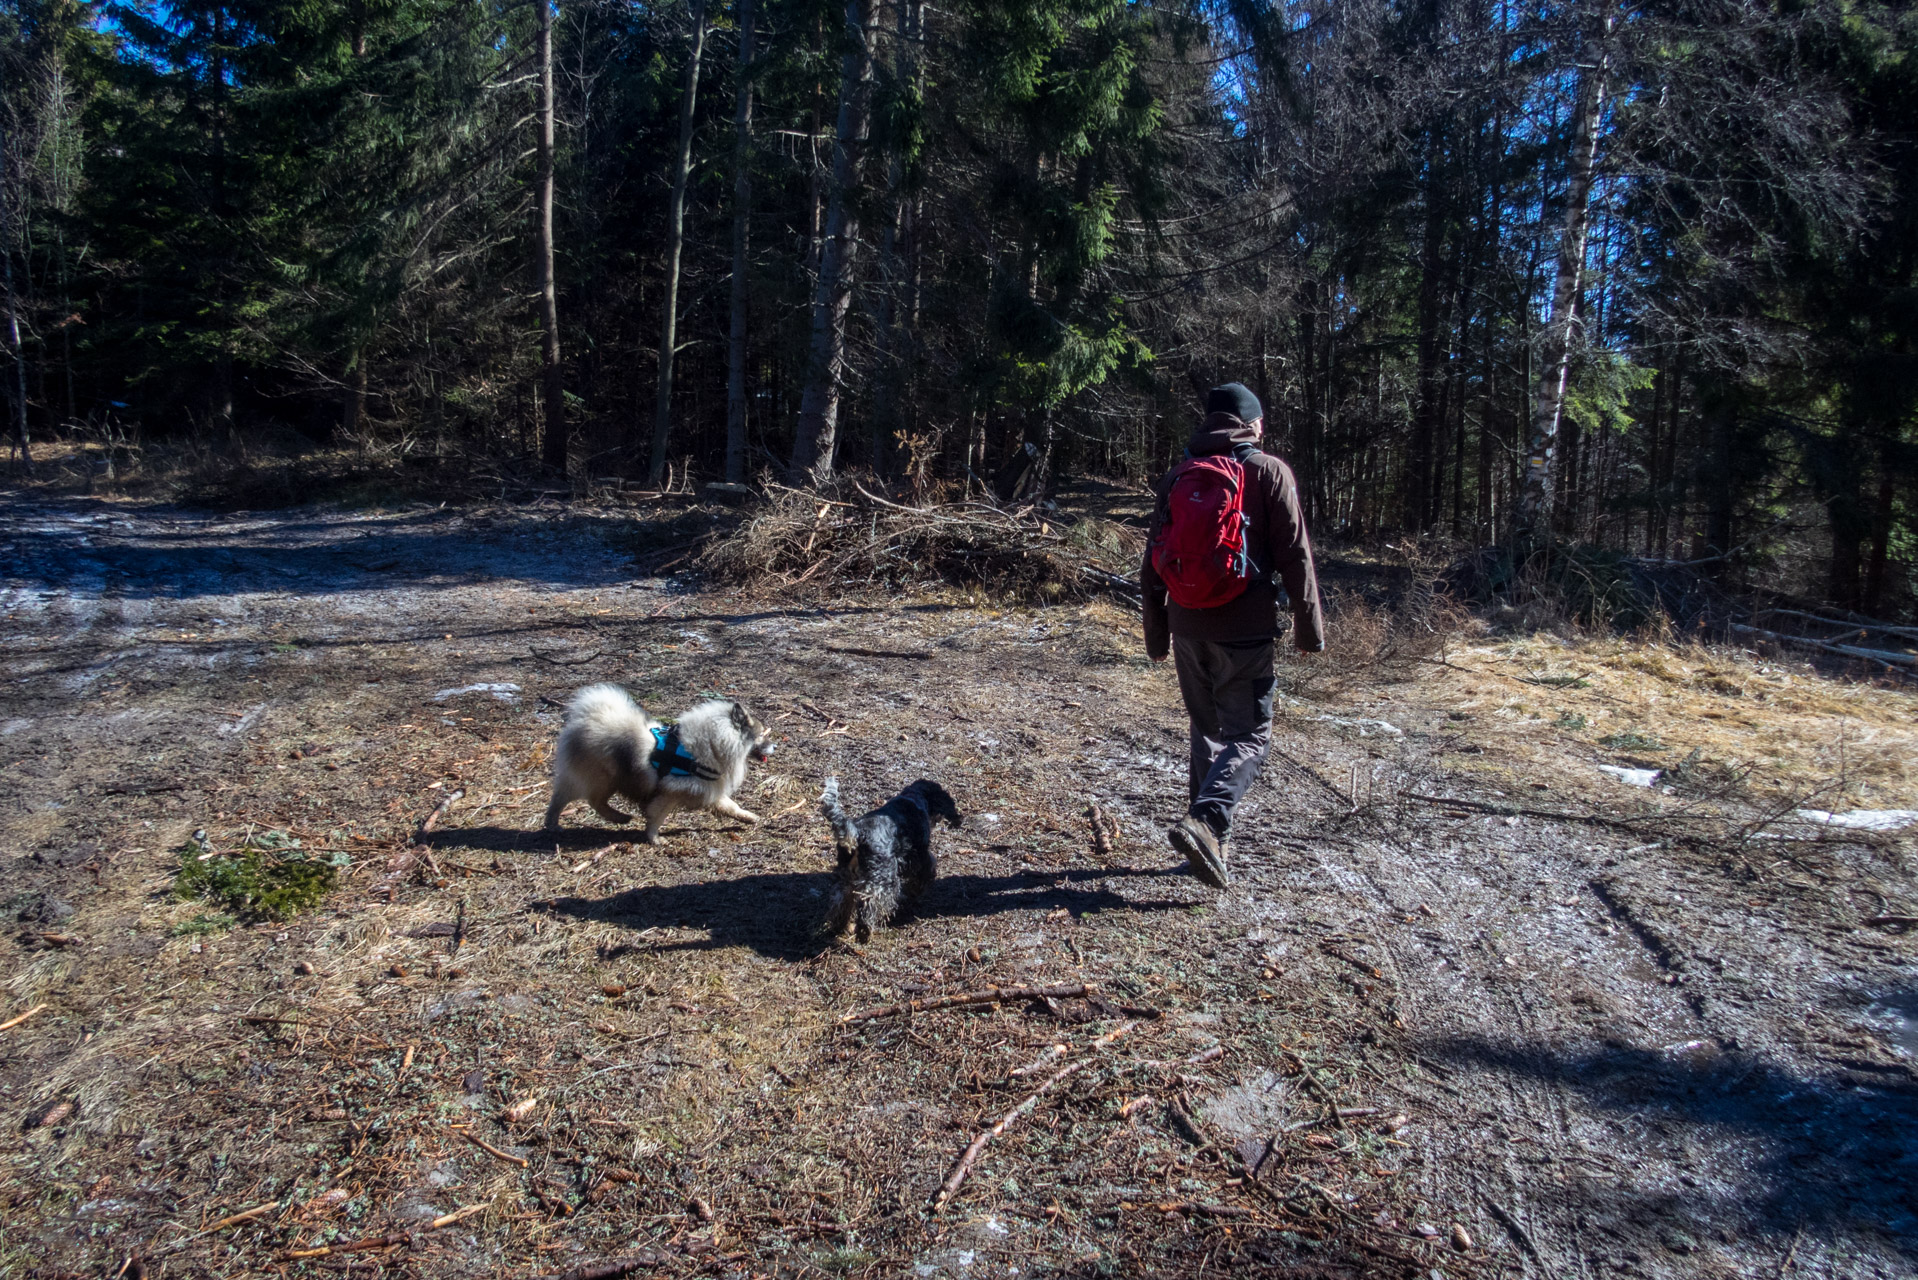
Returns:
(1228,520)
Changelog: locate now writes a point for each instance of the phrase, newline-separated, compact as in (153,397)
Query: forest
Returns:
(1642,277)
(380,377)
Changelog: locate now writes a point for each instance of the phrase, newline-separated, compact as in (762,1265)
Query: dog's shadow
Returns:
(566,839)
(778,914)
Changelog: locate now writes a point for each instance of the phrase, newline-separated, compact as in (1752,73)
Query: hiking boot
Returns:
(1204,852)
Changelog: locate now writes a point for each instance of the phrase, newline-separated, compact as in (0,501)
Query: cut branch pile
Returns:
(853,536)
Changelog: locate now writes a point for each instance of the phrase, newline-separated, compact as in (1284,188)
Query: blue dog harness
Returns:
(670,755)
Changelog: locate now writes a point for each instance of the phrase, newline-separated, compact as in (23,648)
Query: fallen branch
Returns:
(433,818)
(1634,825)
(990,995)
(1850,622)
(391,1238)
(1904,921)
(564,662)
(950,1186)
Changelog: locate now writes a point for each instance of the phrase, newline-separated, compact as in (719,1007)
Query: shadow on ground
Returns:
(778,914)
(1779,1151)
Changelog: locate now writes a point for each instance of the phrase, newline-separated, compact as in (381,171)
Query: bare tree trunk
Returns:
(19,397)
(1535,503)
(1422,459)
(1880,539)
(742,219)
(353,407)
(819,405)
(552,380)
(675,242)
(889,367)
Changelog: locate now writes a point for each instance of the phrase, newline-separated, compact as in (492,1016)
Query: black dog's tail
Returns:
(842,831)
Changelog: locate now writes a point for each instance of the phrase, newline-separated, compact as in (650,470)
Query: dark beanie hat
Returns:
(1236,399)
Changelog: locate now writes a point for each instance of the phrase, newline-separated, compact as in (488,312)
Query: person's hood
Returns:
(1220,433)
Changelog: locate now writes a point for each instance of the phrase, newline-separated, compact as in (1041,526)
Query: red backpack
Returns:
(1200,551)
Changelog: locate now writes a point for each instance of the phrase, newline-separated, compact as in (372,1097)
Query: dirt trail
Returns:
(1615,1051)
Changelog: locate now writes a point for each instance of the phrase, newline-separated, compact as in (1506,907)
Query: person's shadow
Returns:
(779,914)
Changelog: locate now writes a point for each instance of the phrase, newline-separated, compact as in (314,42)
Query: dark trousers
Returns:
(1228,696)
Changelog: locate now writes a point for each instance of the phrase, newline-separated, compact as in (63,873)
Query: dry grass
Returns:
(1726,721)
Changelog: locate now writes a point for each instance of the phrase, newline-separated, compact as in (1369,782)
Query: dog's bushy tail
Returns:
(605,706)
(842,831)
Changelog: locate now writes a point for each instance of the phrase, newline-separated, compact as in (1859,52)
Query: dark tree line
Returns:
(1643,276)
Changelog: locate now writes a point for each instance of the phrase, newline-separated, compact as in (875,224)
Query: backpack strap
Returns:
(670,755)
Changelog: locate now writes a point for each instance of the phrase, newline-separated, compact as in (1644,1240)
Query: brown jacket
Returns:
(1276,541)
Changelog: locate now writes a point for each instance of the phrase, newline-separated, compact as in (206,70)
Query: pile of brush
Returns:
(853,537)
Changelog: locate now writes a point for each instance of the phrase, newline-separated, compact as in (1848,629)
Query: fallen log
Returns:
(1891,657)
(1850,622)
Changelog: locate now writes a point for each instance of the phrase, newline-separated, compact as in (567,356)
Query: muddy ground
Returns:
(1463,980)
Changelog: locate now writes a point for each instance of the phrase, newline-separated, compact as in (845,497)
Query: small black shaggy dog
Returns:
(885,858)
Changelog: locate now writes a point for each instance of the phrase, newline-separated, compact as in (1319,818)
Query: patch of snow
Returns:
(243,723)
(1631,777)
(1861,819)
(1365,727)
(504,692)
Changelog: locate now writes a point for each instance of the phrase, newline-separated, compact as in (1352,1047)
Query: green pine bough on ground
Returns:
(268,878)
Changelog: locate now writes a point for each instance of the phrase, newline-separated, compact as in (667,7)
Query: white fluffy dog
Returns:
(610,746)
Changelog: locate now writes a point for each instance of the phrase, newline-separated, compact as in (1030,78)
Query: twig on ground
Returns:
(494,1151)
(433,818)
(1316,776)
(19,1018)
(920,654)
(1198,1207)
(233,1220)
(950,1187)
(1511,1225)
(1058,1051)
(458,1215)
(1318,1087)
(989,995)
(386,1241)
(606,1270)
